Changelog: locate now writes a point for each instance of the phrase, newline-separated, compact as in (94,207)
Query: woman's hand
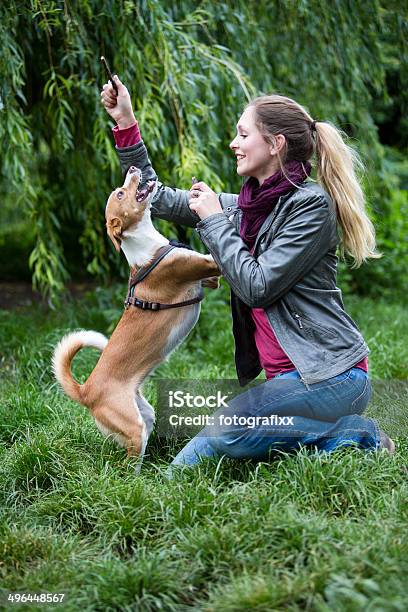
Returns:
(204,201)
(119,107)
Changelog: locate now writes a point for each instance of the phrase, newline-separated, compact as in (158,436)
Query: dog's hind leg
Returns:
(146,411)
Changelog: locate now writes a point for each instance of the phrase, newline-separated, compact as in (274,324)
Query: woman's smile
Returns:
(255,157)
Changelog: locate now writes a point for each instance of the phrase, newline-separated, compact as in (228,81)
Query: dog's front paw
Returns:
(213,282)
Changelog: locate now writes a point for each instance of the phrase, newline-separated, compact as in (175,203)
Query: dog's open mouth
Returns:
(142,195)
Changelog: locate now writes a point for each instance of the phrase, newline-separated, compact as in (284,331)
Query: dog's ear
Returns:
(114,227)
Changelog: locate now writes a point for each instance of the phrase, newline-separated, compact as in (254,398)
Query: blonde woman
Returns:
(276,244)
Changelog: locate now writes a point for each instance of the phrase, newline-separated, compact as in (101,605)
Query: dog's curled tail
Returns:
(64,353)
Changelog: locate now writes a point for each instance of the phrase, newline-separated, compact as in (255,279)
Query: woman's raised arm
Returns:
(169,203)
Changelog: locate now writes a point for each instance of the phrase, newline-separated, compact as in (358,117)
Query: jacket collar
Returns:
(271,218)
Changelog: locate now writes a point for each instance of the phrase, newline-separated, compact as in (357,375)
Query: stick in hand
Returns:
(110,76)
(194,192)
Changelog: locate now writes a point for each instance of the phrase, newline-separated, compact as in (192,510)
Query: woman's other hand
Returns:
(119,107)
(203,200)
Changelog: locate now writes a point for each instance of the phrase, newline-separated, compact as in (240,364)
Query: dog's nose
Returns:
(133,169)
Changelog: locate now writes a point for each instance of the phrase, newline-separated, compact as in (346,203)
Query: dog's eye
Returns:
(120,195)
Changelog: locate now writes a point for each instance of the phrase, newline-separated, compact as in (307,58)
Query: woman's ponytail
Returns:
(337,166)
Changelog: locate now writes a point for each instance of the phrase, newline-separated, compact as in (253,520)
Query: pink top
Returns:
(273,358)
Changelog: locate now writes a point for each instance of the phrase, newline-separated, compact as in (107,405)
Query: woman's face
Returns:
(255,157)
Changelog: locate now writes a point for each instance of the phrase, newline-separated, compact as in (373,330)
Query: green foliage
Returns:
(387,276)
(190,68)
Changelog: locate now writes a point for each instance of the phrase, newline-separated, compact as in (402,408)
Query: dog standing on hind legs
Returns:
(161,308)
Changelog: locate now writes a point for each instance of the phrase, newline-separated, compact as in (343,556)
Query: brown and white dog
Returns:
(142,338)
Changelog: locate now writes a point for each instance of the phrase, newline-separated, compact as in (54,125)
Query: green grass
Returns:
(303,532)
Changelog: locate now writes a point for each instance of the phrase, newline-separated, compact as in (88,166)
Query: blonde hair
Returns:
(337,166)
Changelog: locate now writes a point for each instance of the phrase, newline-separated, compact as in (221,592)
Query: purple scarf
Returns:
(257,202)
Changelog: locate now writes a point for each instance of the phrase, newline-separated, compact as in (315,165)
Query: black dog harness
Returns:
(134,279)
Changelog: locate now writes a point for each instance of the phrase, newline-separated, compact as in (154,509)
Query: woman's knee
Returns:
(228,444)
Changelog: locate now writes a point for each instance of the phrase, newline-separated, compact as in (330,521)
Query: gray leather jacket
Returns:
(291,274)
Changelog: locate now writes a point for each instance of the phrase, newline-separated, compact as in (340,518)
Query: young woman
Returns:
(275,245)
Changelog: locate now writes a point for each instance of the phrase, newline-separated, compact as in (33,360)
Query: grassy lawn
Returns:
(304,532)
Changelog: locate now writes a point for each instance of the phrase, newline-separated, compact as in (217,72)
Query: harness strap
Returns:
(141,274)
(145,270)
(144,305)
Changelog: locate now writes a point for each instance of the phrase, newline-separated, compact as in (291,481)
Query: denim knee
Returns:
(223,444)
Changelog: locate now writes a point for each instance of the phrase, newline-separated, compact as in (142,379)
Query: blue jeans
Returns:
(324,415)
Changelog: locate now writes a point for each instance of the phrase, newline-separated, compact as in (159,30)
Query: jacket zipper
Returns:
(299,320)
